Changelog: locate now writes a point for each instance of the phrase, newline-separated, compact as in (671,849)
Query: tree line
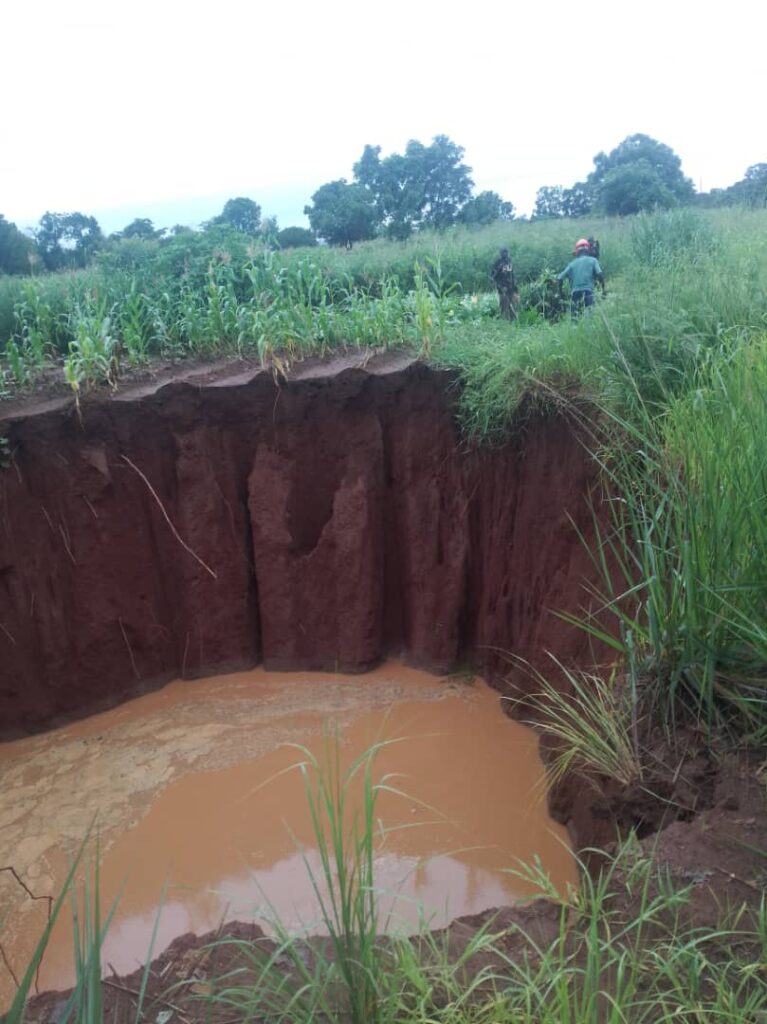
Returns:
(643,174)
(425,187)
(68,241)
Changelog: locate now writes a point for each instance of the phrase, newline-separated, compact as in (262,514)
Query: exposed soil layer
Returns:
(185,527)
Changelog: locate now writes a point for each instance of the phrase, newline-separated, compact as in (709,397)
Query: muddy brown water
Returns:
(201,814)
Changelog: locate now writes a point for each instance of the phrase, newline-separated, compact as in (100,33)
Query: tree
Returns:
(486,208)
(296,238)
(752,189)
(67,239)
(549,202)
(395,196)
(342,213)
(657,173)
(242,214)
(141,227)
(633,187)
(269,228)
(425,186)
(447,184)
(578,200)
(16,249)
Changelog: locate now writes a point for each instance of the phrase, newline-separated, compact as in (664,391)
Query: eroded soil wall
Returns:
(339,515)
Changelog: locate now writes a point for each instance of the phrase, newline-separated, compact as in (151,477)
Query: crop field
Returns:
(680,283)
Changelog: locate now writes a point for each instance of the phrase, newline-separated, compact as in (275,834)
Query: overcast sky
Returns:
(165,109)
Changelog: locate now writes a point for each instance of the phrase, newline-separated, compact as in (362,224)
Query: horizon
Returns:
(275,200)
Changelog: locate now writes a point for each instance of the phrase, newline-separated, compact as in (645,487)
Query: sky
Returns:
(166,109)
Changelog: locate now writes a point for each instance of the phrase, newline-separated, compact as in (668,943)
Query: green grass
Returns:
(683,553)
(682,281)
(593,721)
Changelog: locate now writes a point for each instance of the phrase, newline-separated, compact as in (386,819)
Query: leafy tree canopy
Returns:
(342,213)
(577,200)
(754,185)
(639,174)
(659,176)
(67,239)
(269,228)
(16,250)
(554,201)
(141,227)
(425,186)
(751,190)
(295,238)
(242,214)
(485,208)
(633,187)
(549,202)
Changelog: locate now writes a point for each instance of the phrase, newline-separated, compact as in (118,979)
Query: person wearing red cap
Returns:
(582,273)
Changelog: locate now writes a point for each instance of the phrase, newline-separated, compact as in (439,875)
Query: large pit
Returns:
(314,527)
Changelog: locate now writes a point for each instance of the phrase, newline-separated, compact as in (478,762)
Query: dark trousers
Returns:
(579,301)
(507,309)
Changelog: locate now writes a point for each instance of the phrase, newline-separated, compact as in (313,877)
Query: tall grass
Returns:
(662,238)
(626,951)
(657,329)
(683,558)
(593,720)
(351,973)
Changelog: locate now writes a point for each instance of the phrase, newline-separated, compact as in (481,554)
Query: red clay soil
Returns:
(184,527)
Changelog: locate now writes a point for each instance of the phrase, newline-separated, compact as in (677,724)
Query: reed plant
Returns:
(683,556)
(593,719)
(350,974)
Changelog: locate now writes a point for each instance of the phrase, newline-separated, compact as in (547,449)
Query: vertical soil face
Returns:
(334,519)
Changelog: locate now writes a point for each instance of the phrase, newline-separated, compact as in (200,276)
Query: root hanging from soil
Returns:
(174,531)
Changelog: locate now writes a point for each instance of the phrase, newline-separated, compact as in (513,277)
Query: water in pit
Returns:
(189,791)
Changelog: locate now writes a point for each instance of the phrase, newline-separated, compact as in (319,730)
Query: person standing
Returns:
(502,273)
(582,273)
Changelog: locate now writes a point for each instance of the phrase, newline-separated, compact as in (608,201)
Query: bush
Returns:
(296,238)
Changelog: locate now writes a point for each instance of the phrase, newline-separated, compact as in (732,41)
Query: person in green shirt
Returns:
(582,273)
